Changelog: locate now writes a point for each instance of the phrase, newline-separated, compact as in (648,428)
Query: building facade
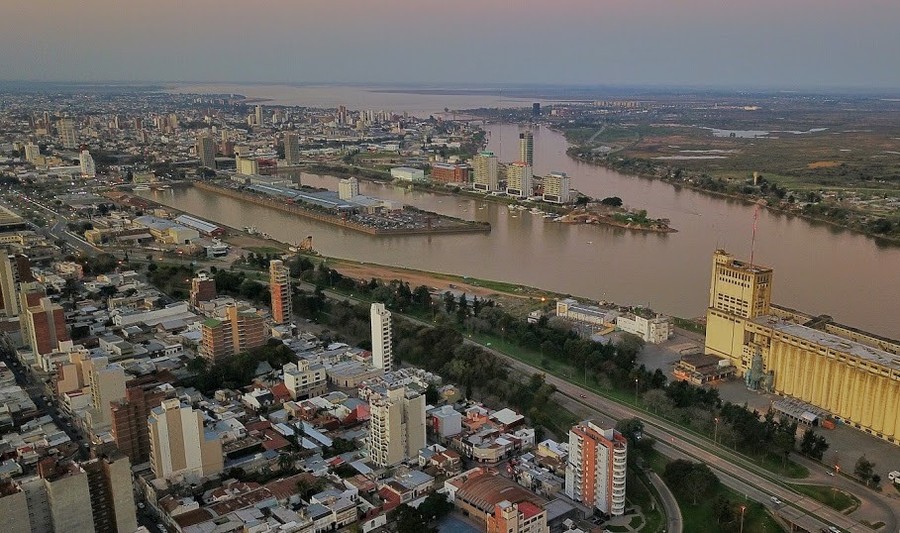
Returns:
(852,374)
(206,151)
(203,289)
(66,129)
(450,172)
(348,188)
(280,290)
(180,444)
(655,330)
(86,162)
(556,188)
(305,380)
(396,426)
(291,148)
(595,471)
(486,170)
(382,340)
(129,417)
(526,147)
(519,179)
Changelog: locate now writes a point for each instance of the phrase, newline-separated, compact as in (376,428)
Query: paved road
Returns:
(37,390)
(736,472)
(674,522)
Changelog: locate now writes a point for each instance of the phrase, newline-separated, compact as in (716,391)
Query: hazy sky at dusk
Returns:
(780,43)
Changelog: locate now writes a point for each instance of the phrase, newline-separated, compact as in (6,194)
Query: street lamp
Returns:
(743,508)
(635,391)
(716,434)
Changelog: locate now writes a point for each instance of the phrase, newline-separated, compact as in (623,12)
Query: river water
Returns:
(818,268)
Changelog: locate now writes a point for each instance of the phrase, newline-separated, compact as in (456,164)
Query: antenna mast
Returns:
(753,237)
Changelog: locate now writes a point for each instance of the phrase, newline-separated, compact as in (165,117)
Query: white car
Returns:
(775,500)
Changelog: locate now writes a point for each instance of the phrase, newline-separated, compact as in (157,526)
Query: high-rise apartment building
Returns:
(129,416)
(557,189)
(382,340)
(12,272)
(519,179)
(107,385)
(112,493)
(595,472)
(396,426)
(180,444)
(348,188)
(258,117)
(852,374)
(203,289)
(536,109)
(65,127)
(280,290)
(241,330)
(43,322)
(206,151)
(291,148)
(486,170)
(526,147)
(67,494)
(88,168)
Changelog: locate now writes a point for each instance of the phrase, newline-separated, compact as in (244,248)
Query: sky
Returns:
(718,43)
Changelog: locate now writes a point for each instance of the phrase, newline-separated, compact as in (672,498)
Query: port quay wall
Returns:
(334,220)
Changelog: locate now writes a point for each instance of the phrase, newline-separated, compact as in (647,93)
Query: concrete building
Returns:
(88,168)
(180,444)
(10,276)
(14,508)
(65,127)
(522,517)
(486,172)
(305,380)
(43,325)
(655,330)
(107,385)
(396,426)
(216,341)
(450,172)
(129,416)
(68,496)
(32,152)
(595,471)
(258,116)
(852,374)
(241,330)
(112,493)
(556,188)
(203,289)
(348,188)
(206,150)
(519,179)
(408,174)
(246,166)
(291,148)
(382,343)
(526,147)
(280,291)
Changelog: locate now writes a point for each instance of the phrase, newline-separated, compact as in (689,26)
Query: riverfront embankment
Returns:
(424,223)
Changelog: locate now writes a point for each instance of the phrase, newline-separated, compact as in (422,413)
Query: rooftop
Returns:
(831,342)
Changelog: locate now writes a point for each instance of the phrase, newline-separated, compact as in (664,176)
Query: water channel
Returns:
(818,268)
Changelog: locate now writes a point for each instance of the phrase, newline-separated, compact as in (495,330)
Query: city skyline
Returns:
(806,44)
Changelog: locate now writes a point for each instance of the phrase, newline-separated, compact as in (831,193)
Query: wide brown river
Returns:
(818,268)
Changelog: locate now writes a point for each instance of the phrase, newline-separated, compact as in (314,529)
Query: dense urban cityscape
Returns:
(450,267)
(168,372)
